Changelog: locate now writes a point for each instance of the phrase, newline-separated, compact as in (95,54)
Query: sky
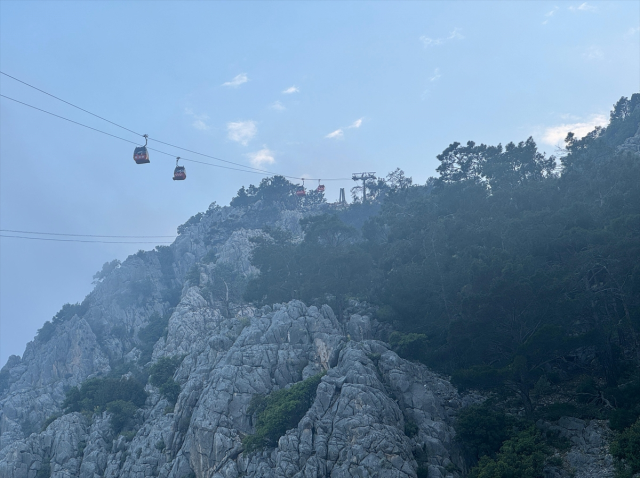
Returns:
(306,89)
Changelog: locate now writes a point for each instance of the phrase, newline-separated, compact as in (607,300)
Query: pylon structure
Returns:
(343,199)
(363,177)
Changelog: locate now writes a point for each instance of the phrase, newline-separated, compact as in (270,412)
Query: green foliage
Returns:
(193,276)
(139,291)
(410,428)
(122,412)
(327,262)
(107,268)
(276,189)
(150,334)
(120,397)
(626,449)
(627,400)
(69,310)
(522,456)
(410,346)
(161,376)
(278,412)
(45,469)
(226,285)
(50,420)
(46,332)
(193,220)
(481,430)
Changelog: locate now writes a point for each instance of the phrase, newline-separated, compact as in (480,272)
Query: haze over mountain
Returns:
(485,324)
(414,76)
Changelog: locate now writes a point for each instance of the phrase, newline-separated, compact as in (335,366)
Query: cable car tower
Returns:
(363,177)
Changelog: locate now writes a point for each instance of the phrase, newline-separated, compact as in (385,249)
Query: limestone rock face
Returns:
(374,413)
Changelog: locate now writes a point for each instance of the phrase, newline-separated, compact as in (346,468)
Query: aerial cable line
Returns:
(81,240)
(133,142)
(157,140)
(79,235)
(70,104)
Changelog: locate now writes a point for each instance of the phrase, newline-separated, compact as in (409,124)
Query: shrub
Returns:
(50,420)
(150,334)
(410,428)
(69,310)
(96,393)
(161,376)
(279,411)
(121,414)
(626,449)
(522,456)
(120,397)
(192,221)
(46,332)
(409,346)
(482,430)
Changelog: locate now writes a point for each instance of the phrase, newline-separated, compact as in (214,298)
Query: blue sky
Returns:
(301,88)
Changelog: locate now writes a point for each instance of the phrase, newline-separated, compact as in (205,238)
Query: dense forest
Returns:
(514,272)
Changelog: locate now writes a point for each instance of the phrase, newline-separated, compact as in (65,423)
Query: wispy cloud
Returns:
(583,7)
(356,124)
(632,31)
(262,157)
(436,75)
(278,106)
(241,131)
(593,53)
(199,120)
(237,81)
(454,35)
(550,14)
(339,133)
(291,89)
(336,134)
(555,135)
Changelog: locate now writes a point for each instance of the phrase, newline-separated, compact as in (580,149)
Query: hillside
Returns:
(483,320)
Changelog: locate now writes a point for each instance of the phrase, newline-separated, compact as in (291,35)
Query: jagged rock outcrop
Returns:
(374,413)
(228,353)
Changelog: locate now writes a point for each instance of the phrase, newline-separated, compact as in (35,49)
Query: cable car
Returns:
(179,174)
(300,192)
(320,188)
(140,154)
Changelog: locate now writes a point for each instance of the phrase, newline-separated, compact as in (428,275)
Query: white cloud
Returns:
(241,131)
(237,81)
(291,89)
(278,106)
(356,124)
(436,75)
(454,35)
(583,7)
(550,14)
(593,53)
(201,125)
(199,120)
(262,157)
(336,134)
(632,31)
(555,135)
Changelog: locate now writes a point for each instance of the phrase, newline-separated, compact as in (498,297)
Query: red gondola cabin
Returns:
(179,174)
(141,154)
(300,192)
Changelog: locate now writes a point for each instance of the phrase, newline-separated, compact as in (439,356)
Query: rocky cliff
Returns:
(228,352)
(374,414)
